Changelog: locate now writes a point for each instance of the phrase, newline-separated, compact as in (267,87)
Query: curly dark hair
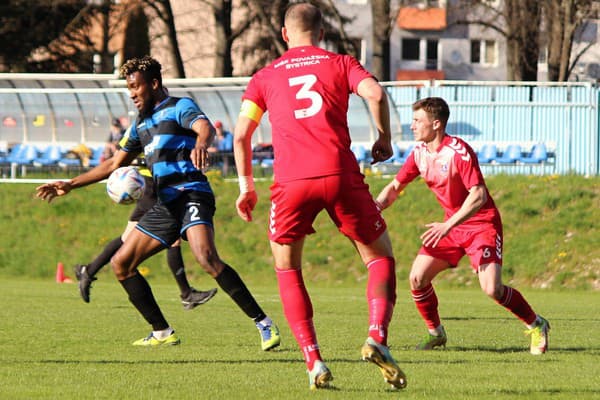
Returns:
(147,66)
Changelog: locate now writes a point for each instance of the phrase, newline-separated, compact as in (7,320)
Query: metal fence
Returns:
(565,117)
(72,109)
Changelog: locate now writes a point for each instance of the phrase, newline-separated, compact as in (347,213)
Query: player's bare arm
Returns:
(242,144)
(474,201)
(242,150)
(389,194)
(437,230)
(51,190)
(374,94)
(206,134)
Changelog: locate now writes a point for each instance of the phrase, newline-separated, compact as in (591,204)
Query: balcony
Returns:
(422,19)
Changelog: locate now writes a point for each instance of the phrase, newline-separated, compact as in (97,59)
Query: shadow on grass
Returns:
(582,319)
(150,362)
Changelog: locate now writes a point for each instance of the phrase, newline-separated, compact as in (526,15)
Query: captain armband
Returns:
(250,110)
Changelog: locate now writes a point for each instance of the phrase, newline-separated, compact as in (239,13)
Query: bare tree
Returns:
(224,37)
(163,11)
(29,27)
(136,42)
(261,40)
(521,21)
(562,18)
(518,21)
(384,19)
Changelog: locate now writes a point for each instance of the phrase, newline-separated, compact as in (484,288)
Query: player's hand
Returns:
(434,234)
(199,156)
(49,191)
(245,204)
(381,151)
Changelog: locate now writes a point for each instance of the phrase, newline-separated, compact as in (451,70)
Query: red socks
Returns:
(427,305)
(381,296)
(514,302)
(298,311)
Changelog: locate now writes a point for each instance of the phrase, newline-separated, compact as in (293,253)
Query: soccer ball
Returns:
(125,185)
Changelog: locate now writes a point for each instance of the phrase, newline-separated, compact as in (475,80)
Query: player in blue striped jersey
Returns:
(174,135)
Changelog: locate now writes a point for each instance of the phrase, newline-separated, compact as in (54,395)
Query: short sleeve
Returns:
(187,112)
(409,170)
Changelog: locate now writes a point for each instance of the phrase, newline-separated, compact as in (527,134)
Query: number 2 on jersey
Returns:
(305,92)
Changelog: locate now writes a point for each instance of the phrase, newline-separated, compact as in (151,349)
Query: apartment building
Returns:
(425,43)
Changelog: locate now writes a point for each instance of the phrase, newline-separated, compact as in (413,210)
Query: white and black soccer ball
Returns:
(125,185)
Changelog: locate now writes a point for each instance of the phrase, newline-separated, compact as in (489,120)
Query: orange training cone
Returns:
(60,273)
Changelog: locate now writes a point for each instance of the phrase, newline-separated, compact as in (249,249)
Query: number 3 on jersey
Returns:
(305,92)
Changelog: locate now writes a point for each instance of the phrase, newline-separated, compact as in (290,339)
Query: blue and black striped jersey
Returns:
(166,139)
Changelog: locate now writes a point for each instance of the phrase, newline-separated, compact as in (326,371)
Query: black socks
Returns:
(232,284)
(140,295)
(175,261)
(104,258)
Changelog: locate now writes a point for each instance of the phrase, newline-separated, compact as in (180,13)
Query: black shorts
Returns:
(168,222)
(145,202)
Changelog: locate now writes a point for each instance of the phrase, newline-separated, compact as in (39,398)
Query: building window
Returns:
(410,49)
(431,62)
(483,52)
(423,4)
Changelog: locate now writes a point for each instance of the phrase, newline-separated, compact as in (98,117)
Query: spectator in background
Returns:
(223,142)
(80,152)
(222,147)
(114,137)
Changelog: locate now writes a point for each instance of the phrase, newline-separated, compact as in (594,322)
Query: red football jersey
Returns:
(450,172)
(306,94)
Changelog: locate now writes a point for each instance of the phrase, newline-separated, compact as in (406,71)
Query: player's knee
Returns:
(119,268)
(208,260)
(493,291)
(417,281)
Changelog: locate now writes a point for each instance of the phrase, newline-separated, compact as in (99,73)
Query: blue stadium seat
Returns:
(397,154)
(23,154)
(267,163)
(15,152)
(538,155)
(96,158)
(405,154)
(360,152)
(487,153)
(50,156)
(511,155)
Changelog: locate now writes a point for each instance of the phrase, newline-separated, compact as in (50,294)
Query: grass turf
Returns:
(56,346)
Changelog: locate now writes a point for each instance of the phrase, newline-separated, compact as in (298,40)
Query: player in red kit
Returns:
(471,226)
(306,93)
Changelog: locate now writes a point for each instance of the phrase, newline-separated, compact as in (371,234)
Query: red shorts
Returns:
(296,204)
(482,243)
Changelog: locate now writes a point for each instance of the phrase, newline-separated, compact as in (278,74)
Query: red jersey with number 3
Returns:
(306,93)
(450,172)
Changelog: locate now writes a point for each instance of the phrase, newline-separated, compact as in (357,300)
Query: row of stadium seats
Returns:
(52,155)
(488,153)
(513,154)
(363,155)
